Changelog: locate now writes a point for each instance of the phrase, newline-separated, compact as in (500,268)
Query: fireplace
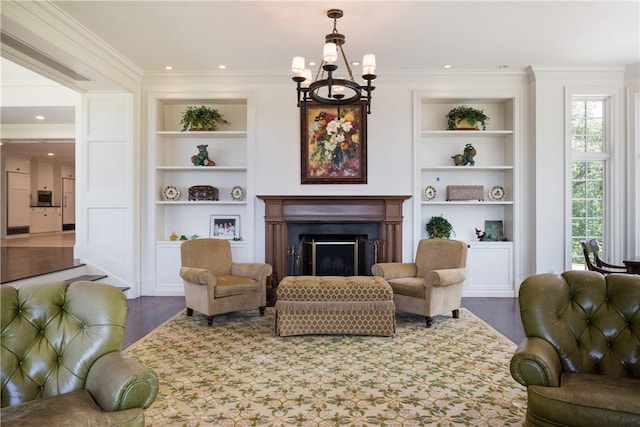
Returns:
(376,221)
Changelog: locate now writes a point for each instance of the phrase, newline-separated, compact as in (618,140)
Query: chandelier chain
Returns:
(346,62)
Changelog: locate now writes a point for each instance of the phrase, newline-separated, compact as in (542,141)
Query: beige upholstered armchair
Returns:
(214,284)
(431,285)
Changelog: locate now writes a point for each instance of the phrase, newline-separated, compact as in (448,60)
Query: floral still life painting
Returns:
(334,144)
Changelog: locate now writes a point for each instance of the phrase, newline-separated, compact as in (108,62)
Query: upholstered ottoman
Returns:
(355,305)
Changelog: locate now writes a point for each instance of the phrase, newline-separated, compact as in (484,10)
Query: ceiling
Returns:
(406,36)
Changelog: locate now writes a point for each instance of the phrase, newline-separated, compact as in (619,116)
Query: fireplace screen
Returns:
(327,253)
(333,258)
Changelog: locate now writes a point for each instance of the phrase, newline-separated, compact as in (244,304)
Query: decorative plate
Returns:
(496,193)
(237,193)
(430,192)
(171,193)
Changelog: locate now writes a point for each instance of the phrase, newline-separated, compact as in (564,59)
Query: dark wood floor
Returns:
(22,262)
(147,313)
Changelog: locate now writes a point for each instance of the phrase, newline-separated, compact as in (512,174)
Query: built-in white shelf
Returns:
(204,134)
(490,265)
(468,202)
(203,168)
(234,243)
(201,202)
(170,151)
(468,133)
(465,169)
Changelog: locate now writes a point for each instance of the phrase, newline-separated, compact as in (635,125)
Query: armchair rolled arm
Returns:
(256,270)
(198,276)
(393,270)
(536,362)
(117,383)
(445,277)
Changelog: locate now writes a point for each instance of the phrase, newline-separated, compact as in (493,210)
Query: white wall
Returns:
(107,235)
(390,133)
(544,234)
(632,107)
(389,151)
(551,232)
(390,139)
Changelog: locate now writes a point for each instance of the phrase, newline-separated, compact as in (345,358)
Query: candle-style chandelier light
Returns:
(328,89)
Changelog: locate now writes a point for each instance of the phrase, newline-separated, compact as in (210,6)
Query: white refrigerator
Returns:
(18,215)
(68,204)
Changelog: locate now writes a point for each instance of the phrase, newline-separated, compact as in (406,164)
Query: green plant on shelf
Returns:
(471,115)
(201,118)
(439,227)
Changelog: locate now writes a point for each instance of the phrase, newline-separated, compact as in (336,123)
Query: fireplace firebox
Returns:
(331,255)
(331,258)
(334,243)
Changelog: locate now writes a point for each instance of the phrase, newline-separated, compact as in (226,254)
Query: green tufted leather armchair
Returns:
(61,359)
(581,358)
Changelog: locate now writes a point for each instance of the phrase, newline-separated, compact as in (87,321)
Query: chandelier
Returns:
(327,88)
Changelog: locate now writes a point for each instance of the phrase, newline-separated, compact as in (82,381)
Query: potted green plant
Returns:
(439,227)
(464,117)
(201,118)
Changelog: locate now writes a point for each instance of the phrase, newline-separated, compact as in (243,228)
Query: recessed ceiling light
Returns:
(168,67)
(355,63)
(39,117)
(222,67)
(447,66)
(312,63)
(49,154)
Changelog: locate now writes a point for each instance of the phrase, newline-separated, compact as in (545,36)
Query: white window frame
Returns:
(614,186)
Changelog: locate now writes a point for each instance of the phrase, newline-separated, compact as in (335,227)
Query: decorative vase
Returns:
(339,158)
(464,124)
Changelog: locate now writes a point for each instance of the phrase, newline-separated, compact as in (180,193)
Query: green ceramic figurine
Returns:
(202,158)
(469,152)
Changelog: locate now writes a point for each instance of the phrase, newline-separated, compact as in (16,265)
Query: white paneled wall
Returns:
(106,235)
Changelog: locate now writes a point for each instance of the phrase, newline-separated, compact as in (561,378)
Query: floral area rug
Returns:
(238,373)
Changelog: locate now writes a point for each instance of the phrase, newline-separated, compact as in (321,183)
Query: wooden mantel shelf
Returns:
(280,210)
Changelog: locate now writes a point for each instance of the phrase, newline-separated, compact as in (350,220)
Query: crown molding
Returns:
(284,76)
(632,71)
(541,72)
(47,28)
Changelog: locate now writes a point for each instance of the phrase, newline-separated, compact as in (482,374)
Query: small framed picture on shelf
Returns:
(494,230)
(225,227)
